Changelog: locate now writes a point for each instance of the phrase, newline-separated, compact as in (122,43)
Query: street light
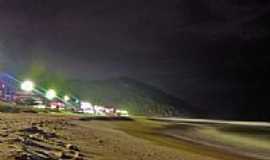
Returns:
(77,101)
(51,94)
(27,86)
(66,98)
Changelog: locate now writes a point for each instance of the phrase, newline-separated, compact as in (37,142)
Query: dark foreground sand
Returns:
(33,136)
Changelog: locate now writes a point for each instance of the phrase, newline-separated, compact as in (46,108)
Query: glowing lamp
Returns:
(27,86)
(51,94)
(66,98)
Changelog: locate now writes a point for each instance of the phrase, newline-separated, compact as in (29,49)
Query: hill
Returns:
(126,93)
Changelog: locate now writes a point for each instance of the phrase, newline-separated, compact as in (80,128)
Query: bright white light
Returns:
(108,110)
(51,94)
(123,113)
(87,107)
(99,110)
(66,98)
(27,86)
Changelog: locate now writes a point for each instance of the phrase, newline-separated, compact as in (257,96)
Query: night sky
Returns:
(211,53)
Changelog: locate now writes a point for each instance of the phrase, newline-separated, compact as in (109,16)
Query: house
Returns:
(7,92)
(56,104)
(2,89)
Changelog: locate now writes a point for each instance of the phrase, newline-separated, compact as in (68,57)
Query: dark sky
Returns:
(210,53)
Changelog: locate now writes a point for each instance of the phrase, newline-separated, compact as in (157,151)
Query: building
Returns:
(56,105)
(7,91)
(2,89)
(10,91)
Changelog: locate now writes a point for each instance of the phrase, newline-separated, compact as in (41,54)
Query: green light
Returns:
(124,112)
(66,98)
(27,86)
(51,94)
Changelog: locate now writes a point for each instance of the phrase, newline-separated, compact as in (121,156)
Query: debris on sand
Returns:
(39,141)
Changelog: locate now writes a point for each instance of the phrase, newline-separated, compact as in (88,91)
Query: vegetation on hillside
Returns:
(136,97)
(125,93)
